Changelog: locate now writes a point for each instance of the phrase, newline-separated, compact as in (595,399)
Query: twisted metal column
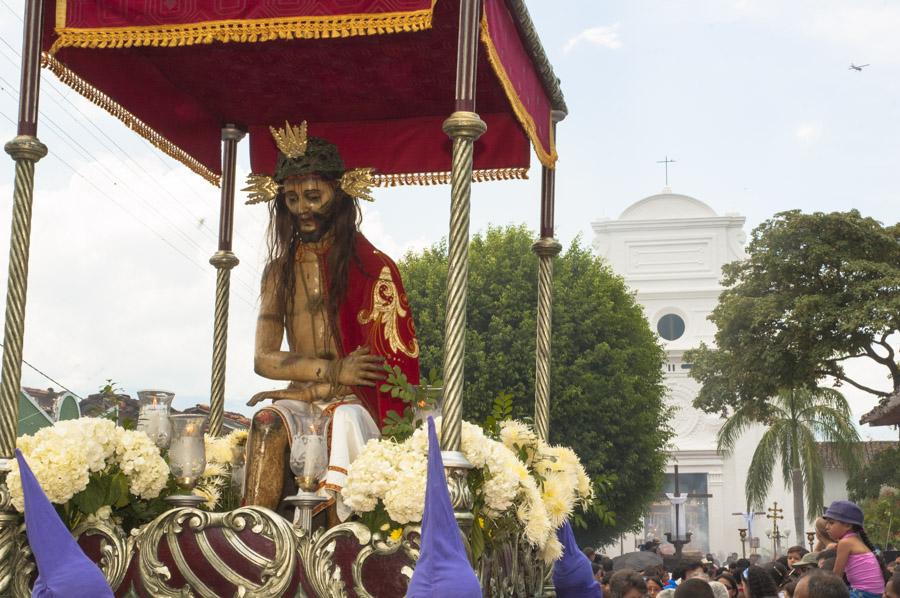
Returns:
(546,249)
(223,260)
(464,128)
(25,150)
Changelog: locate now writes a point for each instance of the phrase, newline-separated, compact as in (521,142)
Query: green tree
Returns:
(883,470)
(815,291)
(606,373)
(794,419)
(882,514)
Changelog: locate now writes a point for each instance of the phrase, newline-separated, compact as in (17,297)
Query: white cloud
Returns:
(604,36)
(808,134)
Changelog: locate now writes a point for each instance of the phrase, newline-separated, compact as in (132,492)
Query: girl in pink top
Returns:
(855,554)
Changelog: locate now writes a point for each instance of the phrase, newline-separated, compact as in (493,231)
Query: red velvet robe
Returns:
(375,313)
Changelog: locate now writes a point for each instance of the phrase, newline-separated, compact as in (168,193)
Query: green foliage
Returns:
(794,420)
(606,371)
(882,515)
(501,410)
(417,399)
(816,290)
(882,470)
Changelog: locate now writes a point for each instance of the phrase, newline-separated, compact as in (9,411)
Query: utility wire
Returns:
(121,151)
(191,241)
(60,384)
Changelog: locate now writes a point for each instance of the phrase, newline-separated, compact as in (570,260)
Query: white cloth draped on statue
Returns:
(351,427)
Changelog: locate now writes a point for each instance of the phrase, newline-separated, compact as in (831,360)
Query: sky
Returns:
(753,99)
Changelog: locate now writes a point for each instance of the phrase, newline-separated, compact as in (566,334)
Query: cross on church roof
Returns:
(666,162)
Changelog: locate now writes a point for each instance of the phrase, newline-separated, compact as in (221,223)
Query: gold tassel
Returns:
(522,114)
(67,76)
(258,30)
(443,178)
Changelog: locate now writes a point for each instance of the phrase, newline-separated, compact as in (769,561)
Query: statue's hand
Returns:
(361,369)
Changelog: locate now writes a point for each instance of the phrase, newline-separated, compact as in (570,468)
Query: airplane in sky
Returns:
(860,67)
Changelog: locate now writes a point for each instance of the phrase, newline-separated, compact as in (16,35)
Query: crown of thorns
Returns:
(301,155)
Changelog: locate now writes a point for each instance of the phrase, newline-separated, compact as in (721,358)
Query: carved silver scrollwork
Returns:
(23,566)
(316,552)
(276,574)
(116,549)
(408,543)
(512,569)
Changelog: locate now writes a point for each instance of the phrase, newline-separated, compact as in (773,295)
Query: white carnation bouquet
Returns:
(521,485)
(89,467)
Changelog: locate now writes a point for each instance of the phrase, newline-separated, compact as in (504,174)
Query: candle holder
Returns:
(742,531)
(153,418)
(309,461)
(187,458)
(429,403)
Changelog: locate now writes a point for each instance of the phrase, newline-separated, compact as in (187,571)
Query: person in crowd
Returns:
(757,583)
(892,588)
(789,588)
(719,590)
(818,584)
(694,569)
(737,568)
(694,587)
(654,586)
(626,583)
(777,571)
(589,552)
(823,556)
(730,584)
(823,541)
(794,554)
(856,556)
(754,559)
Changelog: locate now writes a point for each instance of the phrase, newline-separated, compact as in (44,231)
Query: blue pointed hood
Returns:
(443,568)
(63,569)
(572,574)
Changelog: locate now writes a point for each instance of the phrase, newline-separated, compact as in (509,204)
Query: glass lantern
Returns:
(153,419)
(309,451)
(187,452)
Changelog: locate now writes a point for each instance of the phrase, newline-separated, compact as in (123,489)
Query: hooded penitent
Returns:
(572,574)
(63,569)
(443,568)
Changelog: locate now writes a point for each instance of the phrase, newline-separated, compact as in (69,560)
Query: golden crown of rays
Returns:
(292,142)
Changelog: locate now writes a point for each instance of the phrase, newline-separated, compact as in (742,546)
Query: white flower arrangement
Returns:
(222,452)
(70,455)
(518,481)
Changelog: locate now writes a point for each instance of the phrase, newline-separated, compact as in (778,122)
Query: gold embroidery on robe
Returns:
(387,311)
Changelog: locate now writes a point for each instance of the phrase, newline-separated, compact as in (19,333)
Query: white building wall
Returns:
(670,250)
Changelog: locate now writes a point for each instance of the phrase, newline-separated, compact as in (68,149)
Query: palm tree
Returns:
(794,419)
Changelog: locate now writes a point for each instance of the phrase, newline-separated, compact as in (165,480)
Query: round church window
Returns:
(670,327)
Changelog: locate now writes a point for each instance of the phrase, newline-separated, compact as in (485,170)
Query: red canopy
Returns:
(375,77)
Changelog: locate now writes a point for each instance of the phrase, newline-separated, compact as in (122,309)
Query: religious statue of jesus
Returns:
(342,306)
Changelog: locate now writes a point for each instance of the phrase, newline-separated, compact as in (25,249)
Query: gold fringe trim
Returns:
(547,159)
(443,178)
(67,76)
(257,30)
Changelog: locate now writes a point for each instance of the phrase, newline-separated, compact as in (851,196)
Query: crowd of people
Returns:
(844,564)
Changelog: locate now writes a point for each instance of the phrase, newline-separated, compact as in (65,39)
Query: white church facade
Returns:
(670,249)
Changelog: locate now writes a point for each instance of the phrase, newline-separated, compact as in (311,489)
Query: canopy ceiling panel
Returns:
(376,77)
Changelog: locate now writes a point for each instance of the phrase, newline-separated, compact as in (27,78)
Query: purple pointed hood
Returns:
(572,574)
(63,569)
(443,568)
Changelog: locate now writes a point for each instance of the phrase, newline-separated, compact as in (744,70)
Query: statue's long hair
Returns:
(341,218)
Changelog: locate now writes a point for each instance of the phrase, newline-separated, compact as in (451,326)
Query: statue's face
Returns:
(309,200)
